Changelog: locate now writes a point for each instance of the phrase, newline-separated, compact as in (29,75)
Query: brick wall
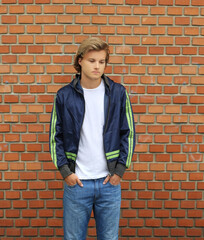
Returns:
(157,51)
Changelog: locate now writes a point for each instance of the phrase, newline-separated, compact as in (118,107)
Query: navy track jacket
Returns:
(67,119)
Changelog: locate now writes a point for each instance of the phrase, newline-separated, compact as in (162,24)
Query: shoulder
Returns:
(114,86)
(65,90)
(64,93)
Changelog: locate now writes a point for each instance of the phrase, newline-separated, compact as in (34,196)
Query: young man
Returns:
(92,140)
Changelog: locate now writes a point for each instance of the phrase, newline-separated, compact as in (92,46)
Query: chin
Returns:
(96,77)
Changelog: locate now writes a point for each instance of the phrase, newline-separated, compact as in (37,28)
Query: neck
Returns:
(90,84)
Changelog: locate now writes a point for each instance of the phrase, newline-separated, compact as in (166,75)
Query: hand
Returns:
(114,180)
(72,180)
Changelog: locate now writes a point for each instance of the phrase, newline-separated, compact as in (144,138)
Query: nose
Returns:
(96,64)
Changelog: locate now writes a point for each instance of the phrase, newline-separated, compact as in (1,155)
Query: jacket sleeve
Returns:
(127,135)
(56,139)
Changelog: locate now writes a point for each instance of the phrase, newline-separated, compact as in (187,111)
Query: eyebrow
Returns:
(103,59)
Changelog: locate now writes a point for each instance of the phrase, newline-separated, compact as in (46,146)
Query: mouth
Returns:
(95,72)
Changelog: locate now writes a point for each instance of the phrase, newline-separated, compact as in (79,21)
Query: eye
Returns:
(102,62)
(91,60)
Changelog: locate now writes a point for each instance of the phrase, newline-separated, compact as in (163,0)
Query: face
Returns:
(93,65)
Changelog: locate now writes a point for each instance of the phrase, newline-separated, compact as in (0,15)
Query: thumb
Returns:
(79,183)
(106,180)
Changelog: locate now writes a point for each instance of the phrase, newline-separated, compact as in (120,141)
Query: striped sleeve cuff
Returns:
(65,171)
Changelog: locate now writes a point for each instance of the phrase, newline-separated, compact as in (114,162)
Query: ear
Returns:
(79,61)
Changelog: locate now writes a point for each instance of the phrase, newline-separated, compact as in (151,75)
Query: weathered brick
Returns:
(157,53)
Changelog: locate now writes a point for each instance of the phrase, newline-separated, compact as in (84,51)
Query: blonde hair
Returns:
(90,44)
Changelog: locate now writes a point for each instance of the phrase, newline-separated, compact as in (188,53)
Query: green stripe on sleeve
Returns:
(131,134)
(113,156)
(52,137)
(71,155)
(111,153)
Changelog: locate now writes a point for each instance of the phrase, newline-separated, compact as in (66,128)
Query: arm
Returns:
(57,147)
(56,139)
(127,135)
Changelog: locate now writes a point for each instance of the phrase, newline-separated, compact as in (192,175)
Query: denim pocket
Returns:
(72,186)
(114,185)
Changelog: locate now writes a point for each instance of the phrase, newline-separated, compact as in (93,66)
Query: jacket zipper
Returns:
(83,115)
(105,128)
(107,118)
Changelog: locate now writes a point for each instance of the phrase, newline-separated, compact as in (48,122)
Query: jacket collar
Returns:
(77,85)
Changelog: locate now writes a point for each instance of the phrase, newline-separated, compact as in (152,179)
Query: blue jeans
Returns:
(79,202)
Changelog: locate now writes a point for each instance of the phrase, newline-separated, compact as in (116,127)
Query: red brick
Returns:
(28,213)
(20,185)
(192,232)
(154,204)
(182,2)
(188,204)
(6,223)
(132,2)
(28,176)
(166,2)
(13,232)
(128,213)
(45,213)
(139,50)
(8,19)
(36,204)
(197,3)
(30,232)
(55,222)
(169,223)
(162,176)
(20,204)
(145,195)
(45,19)
(36,185)
(179,177)
(178,195)
(53,204)
(145,213)
(161,232)
(196,177)
(136,223)
(199,223)
(144,232)
(195,213)
(53,9)
(12,214)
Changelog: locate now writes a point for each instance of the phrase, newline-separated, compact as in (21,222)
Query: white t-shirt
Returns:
(91,162)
